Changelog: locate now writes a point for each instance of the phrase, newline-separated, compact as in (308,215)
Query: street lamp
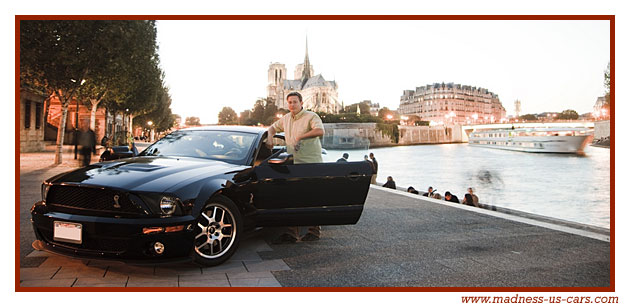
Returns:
(150,123)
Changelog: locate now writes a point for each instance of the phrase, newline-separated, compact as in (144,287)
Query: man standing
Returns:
(302,130)
(374,168)
(87,140)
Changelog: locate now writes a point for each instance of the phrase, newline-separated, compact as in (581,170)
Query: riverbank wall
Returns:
(372,135)
(602,129)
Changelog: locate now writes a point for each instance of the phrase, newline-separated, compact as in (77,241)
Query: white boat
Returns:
(534,139)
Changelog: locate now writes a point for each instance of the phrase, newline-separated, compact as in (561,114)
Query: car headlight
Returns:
(168,205)
(45,188)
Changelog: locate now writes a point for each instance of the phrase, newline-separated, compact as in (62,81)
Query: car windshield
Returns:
(229,146)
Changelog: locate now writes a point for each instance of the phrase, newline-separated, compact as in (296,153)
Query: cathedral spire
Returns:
(306,73)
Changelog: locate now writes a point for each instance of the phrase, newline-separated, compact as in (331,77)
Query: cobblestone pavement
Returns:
(244,269)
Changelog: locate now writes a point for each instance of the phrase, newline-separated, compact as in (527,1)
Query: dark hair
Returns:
(345,155)
(447,193)
(298,95)
(469,200)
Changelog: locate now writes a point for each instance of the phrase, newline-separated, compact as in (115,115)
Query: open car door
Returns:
(310,194)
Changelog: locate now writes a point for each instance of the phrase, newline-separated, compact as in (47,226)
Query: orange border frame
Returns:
(610,18)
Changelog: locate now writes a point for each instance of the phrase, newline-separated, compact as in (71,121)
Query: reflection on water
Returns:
(568,187)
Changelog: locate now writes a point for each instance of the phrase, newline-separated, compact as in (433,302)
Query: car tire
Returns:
(218,230)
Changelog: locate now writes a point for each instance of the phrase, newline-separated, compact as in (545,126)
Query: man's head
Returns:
(470,191)
(345,155)
(294,101)
(371,155)
(389,178)
(447,195)
(430,189)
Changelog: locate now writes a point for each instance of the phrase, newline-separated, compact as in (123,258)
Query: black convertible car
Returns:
(191,195)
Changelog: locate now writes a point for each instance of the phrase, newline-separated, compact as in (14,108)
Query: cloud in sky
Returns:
(548,65)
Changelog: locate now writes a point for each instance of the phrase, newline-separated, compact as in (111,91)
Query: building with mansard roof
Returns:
(318,94)
(452,103)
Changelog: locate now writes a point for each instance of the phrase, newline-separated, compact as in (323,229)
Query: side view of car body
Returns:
(191,195)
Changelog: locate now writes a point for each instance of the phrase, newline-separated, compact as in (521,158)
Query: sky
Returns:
(550,66)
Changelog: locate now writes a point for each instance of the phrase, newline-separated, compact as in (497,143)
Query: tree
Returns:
(161,117)
(58,56)
(364,108)
(527,117)
(130,78)
(192,121)
(227,116)
(94,61)
(568,114)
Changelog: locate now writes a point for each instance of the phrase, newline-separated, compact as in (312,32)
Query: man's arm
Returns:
(270,133)
(311,134)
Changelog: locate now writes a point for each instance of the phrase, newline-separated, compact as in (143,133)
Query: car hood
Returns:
(155,174)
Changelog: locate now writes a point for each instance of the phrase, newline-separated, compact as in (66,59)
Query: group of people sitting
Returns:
(469,199)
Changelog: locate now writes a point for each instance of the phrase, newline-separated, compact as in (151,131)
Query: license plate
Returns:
(67,232)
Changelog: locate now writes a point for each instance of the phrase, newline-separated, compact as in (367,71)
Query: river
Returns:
(569,187)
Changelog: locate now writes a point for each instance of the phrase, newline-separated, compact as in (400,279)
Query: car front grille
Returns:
(91,201)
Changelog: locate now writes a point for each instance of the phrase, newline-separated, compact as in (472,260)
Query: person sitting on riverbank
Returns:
(429,193)
(471,199)
(450,197)
(390,183)
(412,190)
(344,158)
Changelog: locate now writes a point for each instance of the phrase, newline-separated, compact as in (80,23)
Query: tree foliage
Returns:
(114,61)
(364,108)
(568,114)
(530,117)
(349,118)
(192,121)
(228,116)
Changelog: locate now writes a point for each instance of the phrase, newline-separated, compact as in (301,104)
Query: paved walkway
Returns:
(244,269)
(401,240)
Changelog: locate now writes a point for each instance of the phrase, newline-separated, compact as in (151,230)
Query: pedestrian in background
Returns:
(374,168)
(344,158)
(87,140)
(429,192)
(450,197)
(390,183)
(470,198)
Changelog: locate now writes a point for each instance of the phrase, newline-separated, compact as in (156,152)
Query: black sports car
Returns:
(191,195)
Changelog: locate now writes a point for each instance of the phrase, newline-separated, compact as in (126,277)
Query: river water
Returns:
(569,187)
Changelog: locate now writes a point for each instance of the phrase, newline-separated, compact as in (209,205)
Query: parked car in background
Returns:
(191,195)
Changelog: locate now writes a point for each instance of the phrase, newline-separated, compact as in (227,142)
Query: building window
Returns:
(38,115)
(27,115)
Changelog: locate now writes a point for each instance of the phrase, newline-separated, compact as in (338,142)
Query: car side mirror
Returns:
(283,158)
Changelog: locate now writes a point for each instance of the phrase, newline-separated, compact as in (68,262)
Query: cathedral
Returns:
(318,94)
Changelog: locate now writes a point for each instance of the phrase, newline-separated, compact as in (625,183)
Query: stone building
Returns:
(318,94)
(32,124)
(452,103)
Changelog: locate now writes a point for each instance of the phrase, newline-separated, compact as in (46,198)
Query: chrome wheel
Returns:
(216,231)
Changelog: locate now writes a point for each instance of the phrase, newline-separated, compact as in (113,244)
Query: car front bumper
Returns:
(112,238)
